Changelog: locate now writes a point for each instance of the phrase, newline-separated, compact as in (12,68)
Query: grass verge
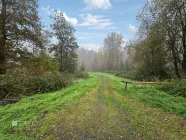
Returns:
(149,95)
(14,117)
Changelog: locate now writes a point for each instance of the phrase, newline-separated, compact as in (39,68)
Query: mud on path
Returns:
(104,114)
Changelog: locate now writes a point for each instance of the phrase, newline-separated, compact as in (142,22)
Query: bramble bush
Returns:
(22,83)
(44,83)
(16,85)
(39,75)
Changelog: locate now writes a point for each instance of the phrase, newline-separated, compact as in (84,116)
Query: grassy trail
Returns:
(105,114)
(104,111)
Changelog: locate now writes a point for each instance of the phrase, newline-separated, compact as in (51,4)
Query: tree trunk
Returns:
(184,49)
(61,59)
(175,62)
(2,38)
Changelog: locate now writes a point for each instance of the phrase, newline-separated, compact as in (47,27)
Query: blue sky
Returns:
(94,19)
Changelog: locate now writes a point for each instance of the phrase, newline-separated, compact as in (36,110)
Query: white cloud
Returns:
(96,22)
(73,21)
(50,12)
(97,4)
(89,20)
(132,28)
(90,46)
(47,10)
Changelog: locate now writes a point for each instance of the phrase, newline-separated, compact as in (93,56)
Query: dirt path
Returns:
(93,117)
(105,114)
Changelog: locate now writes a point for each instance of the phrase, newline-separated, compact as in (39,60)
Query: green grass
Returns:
(150,96)
(30,108)
(175,88)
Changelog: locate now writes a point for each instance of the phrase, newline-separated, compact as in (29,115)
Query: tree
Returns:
(41,64)
(110,56)
(169,21)
(112,48)
(65,49)
(150,57)
(95,65)
(82,68)
(172,33)
(87,57)
(19,25)
(170,16)
(179,8)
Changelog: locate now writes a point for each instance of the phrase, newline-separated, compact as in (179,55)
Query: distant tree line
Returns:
(110,57)
(159,48)
(85,59)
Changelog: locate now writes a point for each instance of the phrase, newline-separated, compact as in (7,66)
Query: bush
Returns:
(43,83)
(127,74)
(41,64)
(81,74)
(12,85)
(66,79)
(174,88)
(16,85)
(22,83)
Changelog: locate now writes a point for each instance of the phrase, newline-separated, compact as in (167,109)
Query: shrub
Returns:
(66,79)
(16,85)
(41,64)
(174,88)
(12,85)
(43,83)
(81,74)
(127,74)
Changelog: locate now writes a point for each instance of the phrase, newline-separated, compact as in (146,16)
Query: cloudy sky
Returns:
(94,19)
